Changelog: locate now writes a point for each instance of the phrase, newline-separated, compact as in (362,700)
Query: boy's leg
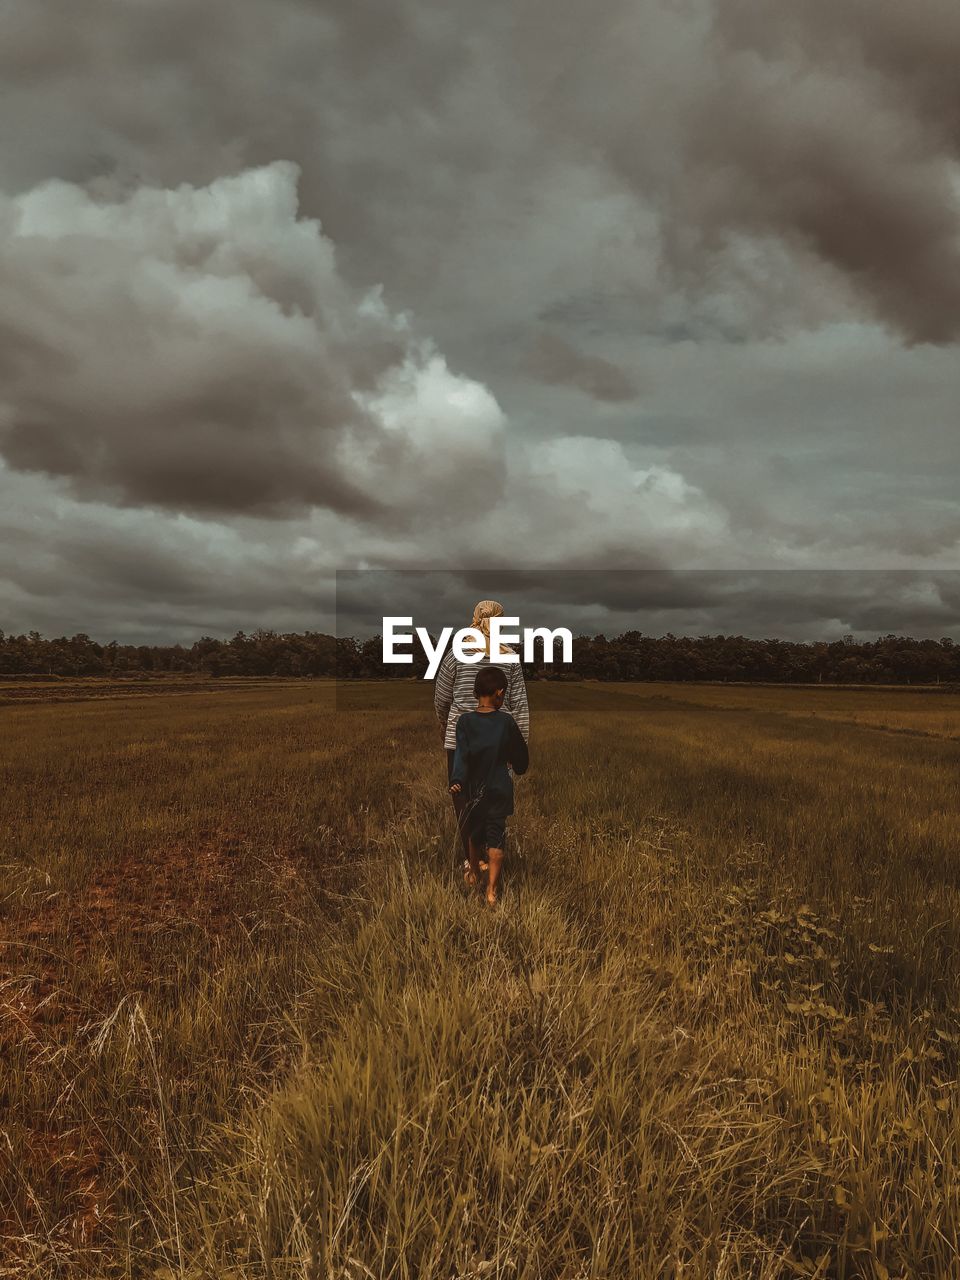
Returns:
(473,844)
(472,872)
(495,861)
(496,838)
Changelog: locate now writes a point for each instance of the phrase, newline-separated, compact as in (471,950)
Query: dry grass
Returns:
(30,689)
(899,710)
(253,1027)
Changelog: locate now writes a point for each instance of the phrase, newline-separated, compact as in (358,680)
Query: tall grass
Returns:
(711,1031)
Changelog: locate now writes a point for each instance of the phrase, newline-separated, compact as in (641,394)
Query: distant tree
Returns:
(890,659)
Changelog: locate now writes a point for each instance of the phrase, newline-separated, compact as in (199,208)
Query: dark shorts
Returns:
(487,830)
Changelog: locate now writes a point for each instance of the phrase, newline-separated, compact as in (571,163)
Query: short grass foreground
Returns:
(251,1025)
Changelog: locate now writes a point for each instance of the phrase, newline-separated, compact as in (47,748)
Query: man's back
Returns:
(454,696)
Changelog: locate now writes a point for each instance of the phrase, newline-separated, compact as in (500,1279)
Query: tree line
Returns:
(890,659)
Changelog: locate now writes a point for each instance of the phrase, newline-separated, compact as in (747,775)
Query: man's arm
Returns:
(443,689)
(516,699)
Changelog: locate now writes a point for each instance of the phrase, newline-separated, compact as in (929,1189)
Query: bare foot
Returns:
(491,897)
(469,875)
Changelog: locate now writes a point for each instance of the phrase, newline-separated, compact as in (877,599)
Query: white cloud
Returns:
(440,433)
(197,349)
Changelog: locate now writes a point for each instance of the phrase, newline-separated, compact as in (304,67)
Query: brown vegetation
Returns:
(250,1026)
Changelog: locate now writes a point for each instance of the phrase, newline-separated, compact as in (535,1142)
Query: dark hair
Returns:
(489,680)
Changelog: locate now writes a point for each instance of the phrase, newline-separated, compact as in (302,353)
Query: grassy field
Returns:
(29,689)
(252,1026)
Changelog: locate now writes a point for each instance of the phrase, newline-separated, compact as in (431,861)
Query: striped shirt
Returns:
(453,693)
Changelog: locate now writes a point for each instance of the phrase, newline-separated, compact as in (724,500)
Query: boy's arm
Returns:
(461,757)
(519,752)
(443,689)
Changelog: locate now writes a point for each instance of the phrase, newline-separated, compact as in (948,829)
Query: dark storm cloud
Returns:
(555,361)
(897,228)
(806,125)
(838,169)
(784,604)
(832,126)
(737,223)
(914,46)
(145,575)
(208,357)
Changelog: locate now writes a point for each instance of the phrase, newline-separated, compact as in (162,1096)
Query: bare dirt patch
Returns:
(67,967)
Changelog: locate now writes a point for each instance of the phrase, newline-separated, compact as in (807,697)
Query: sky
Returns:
(659,301)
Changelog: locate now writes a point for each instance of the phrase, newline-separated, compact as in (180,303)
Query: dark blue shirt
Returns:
(487,741)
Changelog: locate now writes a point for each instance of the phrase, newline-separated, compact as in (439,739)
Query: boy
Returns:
(487,741)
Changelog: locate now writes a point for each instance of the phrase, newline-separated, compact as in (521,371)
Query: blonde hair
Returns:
(483,611)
